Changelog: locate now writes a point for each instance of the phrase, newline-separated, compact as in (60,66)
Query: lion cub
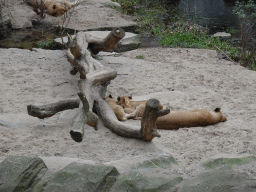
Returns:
(52,7)
(192,118)
(129,105)
(118,110)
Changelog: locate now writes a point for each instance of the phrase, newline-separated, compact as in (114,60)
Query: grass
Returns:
(140,57)
(46,44)
(176,31)
(199,40)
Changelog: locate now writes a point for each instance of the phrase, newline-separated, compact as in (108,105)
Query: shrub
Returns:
(246,13)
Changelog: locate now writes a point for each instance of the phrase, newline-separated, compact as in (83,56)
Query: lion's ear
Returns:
(130,97)
(110,96)
(217,109)
(54,6)
(118,98)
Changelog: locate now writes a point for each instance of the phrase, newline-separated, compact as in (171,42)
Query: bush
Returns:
(246,13)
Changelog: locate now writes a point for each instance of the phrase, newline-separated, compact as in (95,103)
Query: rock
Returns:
(147,175)
(130,41)
(85,16)
(221,55)
(19,173)
(146,181)
(228,160)
(222,34)
(113,5)
(222,180)
(161,161)
(80,177)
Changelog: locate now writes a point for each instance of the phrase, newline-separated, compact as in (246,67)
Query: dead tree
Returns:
(93,82)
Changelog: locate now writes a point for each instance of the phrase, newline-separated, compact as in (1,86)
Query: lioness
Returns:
(191,118)
(129,105)
(118,110)
(52,7)
(176,119)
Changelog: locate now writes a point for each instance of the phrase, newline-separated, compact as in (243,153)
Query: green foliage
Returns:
(246,13)
(192,40)
(140,57)
(46,44)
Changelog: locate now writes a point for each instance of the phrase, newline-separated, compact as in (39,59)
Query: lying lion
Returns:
(129,105)
(191,118)
(176,119)
(52,7)
(118,110)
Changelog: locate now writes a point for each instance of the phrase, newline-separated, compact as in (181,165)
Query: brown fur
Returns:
(129,105)
(175,119)
(118,110)
(52,7)
(192,118)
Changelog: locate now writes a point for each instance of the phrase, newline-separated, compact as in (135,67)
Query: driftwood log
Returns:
(93,82)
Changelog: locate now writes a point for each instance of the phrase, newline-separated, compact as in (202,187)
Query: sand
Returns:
(181,79)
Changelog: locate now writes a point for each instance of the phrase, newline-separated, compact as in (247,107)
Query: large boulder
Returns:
(19,173)
(148,175)
(80,177)
(224,180)
(146,182)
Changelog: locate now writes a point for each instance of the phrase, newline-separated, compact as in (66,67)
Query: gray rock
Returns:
(19,173)
(80,177)
(128,44)
(222,34)
(113,5)
(224,180)
(221,55)
(152,174)
(228,161)
(146,182)
(163,162)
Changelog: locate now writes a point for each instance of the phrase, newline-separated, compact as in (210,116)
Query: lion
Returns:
(118,110)
(52,7)
(175,119)
(129,105)
(191,118)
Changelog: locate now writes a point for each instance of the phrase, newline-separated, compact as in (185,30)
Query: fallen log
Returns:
(93,82)
(49,110)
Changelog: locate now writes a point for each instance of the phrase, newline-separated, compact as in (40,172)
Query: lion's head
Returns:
(56,9)
(124,101)
(218,112)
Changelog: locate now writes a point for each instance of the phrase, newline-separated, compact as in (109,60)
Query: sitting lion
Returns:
(175,119)
(129,105)
(52,7)
(118,110)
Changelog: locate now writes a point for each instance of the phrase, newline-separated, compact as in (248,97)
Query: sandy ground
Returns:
(179,78)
